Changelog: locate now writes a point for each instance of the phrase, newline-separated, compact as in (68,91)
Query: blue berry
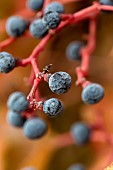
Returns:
(35,5)
(53,107)
(15,118)
(18,102)
(7,62)
(54,6)
(60,82)
(76,167)
(34,128)
(106,2)
(73,50)
(16,26)
(52,19)
(80,132)
(38,28)
(92,93)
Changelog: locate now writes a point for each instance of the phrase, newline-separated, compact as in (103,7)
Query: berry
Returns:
(54,6)
(34,128)
(52,19)
(53,107)
(73,50)
(16,26)
(81,133)
(7,62)
(17,102)
(92,93)
(15,118)
(60,82)
(76,167)
(35,5)
(38,28)
(106,2)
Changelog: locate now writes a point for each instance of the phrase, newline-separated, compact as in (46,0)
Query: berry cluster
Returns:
(21,108)
(50,18)
(18,104)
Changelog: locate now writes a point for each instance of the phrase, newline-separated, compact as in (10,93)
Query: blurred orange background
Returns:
(16,151)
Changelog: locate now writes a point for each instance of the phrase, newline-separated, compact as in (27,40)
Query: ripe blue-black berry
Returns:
(76,167)
(7,62)
(92,93)
(17,102)
(38,28)
(16,26)
(73,50)
(54,6)
(53,107)
(15,118)
(52,19)
(80,132)
(60,82)
(34,128)
(35,5)
(106,2)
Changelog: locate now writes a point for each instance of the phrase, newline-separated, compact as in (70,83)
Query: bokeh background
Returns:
(16,151)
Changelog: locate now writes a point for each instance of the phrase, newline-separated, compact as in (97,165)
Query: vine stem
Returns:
(83,70)
(7,42)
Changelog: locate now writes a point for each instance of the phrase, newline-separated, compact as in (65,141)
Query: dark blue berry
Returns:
(106,2)
(73,50)
(18,102)
(38,28)
(16,26)
(35,5)
(7,62)
(53,107)
(76,167)
(92,93)
(34,128)
(80,132)
(52,19)
(15,118)
(60,82)
(54,6)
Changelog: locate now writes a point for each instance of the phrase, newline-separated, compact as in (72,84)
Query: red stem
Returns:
(106,7)
(22,62)
(31,77)
(82,71)
(7,42)
(31,95)
(35,67)
(88,50)
(40,47)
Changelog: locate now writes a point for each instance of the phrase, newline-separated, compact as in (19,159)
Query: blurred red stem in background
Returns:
(83,70)
(7,42)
